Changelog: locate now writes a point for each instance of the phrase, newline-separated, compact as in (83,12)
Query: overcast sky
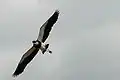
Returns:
(85,40)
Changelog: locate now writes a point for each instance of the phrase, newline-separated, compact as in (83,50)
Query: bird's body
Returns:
(43,47)
(38,44)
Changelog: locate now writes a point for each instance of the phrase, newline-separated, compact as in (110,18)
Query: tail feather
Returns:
(46,47)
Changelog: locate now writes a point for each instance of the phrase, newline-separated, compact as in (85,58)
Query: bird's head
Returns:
(36,43)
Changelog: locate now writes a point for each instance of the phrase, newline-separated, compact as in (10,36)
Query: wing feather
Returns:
(26,58)
(47,26)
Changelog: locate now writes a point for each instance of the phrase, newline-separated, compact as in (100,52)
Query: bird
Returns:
(38,44)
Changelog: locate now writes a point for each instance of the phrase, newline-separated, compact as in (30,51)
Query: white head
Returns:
(36,43)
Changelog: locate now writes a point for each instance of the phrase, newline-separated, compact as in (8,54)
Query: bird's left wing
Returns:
(26,58)
(47,26)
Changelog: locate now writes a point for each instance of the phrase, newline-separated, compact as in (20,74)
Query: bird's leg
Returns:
(49,51)
(46,48)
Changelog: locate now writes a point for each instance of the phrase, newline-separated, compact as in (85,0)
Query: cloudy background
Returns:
(85,40)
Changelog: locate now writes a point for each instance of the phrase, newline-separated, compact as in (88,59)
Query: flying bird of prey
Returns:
(37,44)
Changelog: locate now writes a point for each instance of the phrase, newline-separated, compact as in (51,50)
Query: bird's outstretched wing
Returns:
(47,26)
(26,58)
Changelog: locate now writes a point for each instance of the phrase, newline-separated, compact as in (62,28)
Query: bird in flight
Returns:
(37,44)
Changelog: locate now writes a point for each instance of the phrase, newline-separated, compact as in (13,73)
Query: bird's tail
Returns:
(46,49)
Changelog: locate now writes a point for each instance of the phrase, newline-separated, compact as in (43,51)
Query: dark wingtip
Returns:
(57,11)
(14,75)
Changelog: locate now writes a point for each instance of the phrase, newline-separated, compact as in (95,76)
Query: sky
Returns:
(85,40)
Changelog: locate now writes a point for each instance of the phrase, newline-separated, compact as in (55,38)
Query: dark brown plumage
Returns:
(43,34)
(26,58)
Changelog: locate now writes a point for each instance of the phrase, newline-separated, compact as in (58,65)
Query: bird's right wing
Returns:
(47,26)
(26,58)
